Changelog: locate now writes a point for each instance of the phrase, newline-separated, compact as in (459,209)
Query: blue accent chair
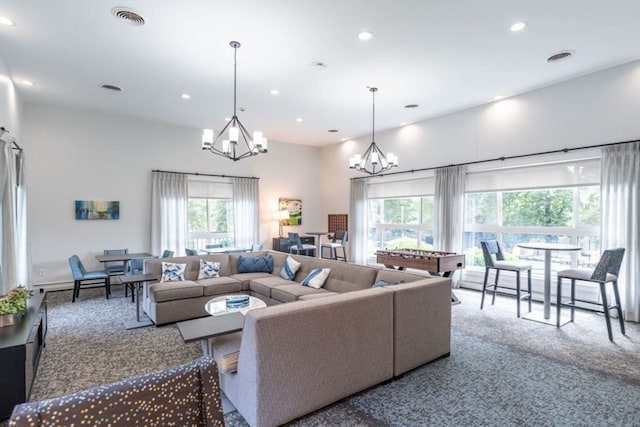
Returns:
(167,254)
(84,277)
(191,252)
(115,267)
(296,245)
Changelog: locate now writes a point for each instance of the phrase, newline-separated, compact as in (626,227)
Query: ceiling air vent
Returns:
(127,15)
(560,56)
(112,87)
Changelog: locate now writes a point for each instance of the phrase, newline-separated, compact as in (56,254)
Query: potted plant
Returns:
(14,302)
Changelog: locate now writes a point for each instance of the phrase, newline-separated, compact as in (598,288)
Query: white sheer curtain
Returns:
(23,241)
(8,269)
(620,187)
(448,216)
(358,218)
(169,200)
(246,214)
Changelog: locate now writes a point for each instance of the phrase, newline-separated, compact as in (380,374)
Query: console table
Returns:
(20,349)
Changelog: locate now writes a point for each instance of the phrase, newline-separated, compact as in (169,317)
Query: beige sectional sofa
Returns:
(321,345)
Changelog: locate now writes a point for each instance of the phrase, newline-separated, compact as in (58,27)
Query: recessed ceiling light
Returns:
(185,96)
(275,92)
(365,35)
(411,106)
(112,87)
(498,97)
(6,21)
(227,119)
(332,130)
(26,82)
(404,123)
(299,120)
(560,56)
(518,26)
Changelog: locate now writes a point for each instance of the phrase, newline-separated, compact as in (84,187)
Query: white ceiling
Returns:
(444,55)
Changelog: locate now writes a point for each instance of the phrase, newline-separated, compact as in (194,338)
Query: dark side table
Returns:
(136,281)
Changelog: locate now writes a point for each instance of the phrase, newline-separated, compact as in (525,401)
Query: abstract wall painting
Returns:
(97,209)
(294,207)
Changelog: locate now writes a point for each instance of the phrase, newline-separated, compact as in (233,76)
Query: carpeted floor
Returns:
(502,370)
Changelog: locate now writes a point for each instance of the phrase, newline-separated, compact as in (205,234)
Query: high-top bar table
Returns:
(547,248)
(318,235)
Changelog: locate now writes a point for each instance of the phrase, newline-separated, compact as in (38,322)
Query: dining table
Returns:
(318,235)
(548,248)
(226,250)
(125,258)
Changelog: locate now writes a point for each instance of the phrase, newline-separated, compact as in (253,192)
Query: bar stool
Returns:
(606,271)
(491,248)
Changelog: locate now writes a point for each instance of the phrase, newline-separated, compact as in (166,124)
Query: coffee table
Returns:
(224,322)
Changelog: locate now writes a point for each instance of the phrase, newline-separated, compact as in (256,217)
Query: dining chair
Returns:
(167,254)
(494,260)
(256,247)
(339,241)
(191,252)
(115,267)
(83,277)
(214,246)
(136,267)
(296,245)
(606,271)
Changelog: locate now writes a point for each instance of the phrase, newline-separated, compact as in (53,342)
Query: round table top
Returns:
(218,305)
(550,246)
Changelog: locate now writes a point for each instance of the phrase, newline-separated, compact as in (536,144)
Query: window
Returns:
(564,209)
(210,214)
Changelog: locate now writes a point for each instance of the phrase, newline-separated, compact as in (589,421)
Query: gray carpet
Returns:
(502,370)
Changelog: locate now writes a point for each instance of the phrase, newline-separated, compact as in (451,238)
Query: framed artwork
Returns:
(294,207)
(96,209)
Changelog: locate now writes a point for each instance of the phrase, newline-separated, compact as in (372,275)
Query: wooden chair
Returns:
(491,249)
(83,277)
(605,272)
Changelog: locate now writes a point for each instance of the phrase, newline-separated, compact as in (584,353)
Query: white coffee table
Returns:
(218,305)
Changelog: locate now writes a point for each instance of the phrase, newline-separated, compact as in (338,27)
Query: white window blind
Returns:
(565,174)
(408,188)
(210,189)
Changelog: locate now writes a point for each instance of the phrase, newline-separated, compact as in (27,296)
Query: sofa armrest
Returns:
(422,322)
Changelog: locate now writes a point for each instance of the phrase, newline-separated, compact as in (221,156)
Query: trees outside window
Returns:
(210,222)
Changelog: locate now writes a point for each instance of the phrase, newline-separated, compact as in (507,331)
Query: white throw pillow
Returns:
(172,272)
(289,268)
(316,278)
(208,269)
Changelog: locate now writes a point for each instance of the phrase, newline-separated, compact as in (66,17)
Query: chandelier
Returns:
(237,143)
(373,161)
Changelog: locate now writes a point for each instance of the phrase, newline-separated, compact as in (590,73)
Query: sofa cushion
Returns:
(248,264)
(220,285)
(316,277)
(289,268)
(208,269)
(169,291)
(292,292)
(320,294)
(264,285)
(172,272)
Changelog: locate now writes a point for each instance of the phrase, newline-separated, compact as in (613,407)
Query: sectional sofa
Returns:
(311,347)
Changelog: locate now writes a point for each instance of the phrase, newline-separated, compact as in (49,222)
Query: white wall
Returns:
(594,109)
(81,155)
(10,104)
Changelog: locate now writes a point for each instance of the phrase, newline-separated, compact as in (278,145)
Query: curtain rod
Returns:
(517,156)
(14,144)
(205,174)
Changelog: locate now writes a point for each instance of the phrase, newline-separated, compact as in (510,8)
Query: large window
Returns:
(400,223)
(551,212)
(210,214)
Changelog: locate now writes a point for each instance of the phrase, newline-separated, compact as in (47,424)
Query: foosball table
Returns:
(435,262)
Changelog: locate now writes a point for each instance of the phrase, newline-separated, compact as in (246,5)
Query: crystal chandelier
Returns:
(237,143)
(373,161)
